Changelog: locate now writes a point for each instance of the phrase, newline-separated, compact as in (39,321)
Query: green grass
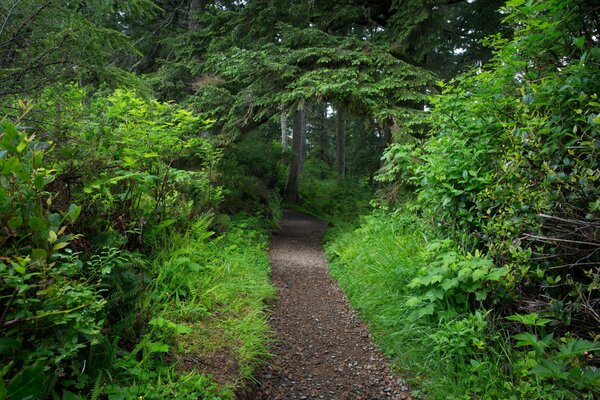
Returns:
(373,264)
(450,354)
(207,316)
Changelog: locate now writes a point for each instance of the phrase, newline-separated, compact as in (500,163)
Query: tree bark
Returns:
(341,143)
(283,122)
(298,144)
(387,135)
(323,134)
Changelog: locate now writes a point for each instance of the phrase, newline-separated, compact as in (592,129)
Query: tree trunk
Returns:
(387,135)
(196,7)
(341,144)
(283,121)
(386,140)
(298,144)
(323,134)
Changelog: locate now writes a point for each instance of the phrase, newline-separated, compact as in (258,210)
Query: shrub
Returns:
(50,311)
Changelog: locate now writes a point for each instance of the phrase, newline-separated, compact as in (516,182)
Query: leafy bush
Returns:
(207,298)
(452,283)
(139,184)
(50,311)
(136,164)
(509,175)
(252,173)
(511,166)
(441,326)
(89,314)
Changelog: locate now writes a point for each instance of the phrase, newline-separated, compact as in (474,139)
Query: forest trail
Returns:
(322,349)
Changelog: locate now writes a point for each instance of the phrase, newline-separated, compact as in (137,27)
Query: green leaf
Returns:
(52,236)
(498,273)
(160,322)
(158,347)
(13,166)
(27,384)
(478,274)
(10,137)
(181,329)
(529,99)
(39,254)
(421,312)
(526,339)
(59,246)
(37,224)
(450,283)
(481,295)
(3,392)
(22,146)
(549,369)
(16,222)
(532,319)
(413,301)
(38,182)
(73,213)
(70,396)
(576,347)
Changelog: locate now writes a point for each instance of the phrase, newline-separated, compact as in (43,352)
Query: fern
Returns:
(55,395)
(98,387)
(49,385)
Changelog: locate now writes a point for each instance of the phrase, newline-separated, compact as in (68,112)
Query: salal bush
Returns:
(75,277)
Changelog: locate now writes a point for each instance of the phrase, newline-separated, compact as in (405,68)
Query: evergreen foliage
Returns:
(132,131)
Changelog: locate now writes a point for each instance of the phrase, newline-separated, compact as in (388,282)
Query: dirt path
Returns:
(323,350)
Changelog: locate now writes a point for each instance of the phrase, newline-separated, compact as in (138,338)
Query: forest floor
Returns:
(322,350)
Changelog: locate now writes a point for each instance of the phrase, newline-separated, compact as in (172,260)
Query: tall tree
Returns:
(341,143)
(297,164)
(49,41)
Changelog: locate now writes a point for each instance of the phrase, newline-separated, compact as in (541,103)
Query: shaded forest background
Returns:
(147,147)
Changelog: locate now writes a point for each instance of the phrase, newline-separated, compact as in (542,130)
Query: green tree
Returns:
(50,41)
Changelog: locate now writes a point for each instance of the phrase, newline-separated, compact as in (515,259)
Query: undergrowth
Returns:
(435,312)
(207,329)
(114,282)
(327,196)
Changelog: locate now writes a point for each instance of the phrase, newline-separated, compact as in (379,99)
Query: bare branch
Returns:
(549,239)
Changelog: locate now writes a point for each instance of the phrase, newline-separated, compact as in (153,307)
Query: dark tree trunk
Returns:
(298,144)
(341,144)
(387,135)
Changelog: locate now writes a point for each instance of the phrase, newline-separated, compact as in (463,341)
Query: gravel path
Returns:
(322,349)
